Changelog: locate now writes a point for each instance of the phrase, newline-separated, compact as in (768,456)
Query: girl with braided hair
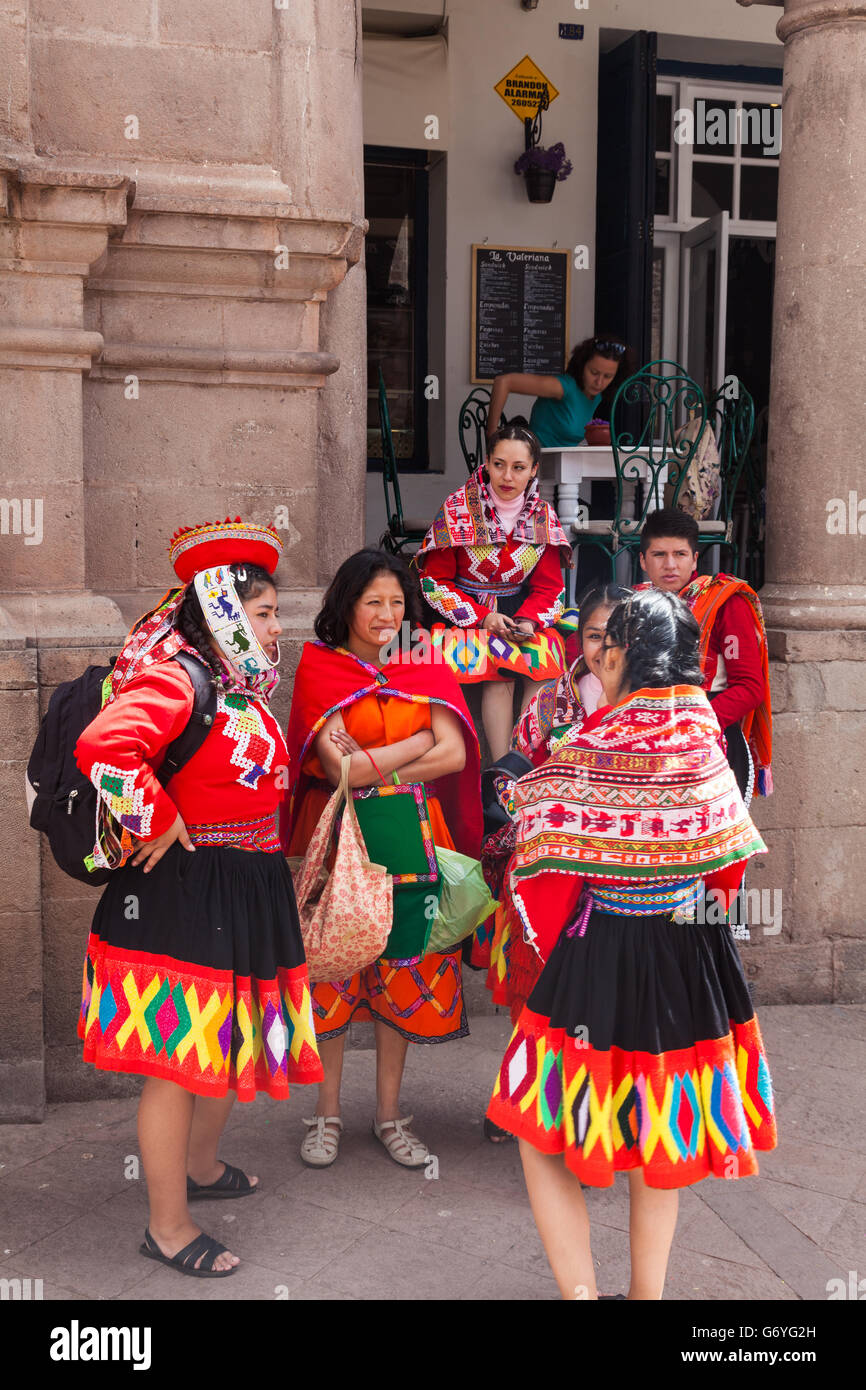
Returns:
(638,1049)
(195,975)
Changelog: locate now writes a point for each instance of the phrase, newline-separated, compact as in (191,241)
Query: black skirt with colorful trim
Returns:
(195,973)
(639,1048)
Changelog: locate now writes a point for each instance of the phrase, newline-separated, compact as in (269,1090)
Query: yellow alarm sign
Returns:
(521,88)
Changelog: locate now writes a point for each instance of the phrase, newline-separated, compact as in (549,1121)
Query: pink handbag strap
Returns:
(317,850)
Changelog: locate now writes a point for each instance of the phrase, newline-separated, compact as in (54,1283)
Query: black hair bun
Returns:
(661,640)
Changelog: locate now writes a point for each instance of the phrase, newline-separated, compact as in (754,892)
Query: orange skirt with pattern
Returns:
(422,1001)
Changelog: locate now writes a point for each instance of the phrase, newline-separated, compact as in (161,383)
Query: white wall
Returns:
(483,137)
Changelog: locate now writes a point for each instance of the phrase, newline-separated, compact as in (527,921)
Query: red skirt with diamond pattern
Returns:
(195,973)
(639,1048)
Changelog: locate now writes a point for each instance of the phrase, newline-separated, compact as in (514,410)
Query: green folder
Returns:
(395,824)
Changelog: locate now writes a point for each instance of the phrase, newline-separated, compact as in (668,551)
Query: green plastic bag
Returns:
(465,903)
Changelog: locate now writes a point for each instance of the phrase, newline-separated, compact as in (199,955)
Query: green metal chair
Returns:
(733,421)
(647,414)
(472,426)
(400,531)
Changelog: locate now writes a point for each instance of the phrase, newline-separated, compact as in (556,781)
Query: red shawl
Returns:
(705,594)
(330,678)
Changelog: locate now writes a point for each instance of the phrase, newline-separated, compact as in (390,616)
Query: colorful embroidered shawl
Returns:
(705,595)
(469,517)
(330,678)
(641,792)
(555,707)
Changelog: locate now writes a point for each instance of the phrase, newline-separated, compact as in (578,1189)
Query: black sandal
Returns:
(495,1134)
(185,1259)
(231,1183)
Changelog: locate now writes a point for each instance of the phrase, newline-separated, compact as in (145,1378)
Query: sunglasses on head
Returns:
(609,349)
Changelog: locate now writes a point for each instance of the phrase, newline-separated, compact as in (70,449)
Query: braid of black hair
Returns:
(661,640)
(598,596)
(190,624)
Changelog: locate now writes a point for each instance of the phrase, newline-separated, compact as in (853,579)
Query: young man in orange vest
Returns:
(734,655)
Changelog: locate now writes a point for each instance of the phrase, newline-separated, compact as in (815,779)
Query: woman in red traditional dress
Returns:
(638,1049)
(492,562)
(354,694)
(195,975)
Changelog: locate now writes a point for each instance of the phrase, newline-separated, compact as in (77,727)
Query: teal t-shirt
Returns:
(560,423)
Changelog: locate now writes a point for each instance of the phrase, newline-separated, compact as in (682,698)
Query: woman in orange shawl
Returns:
(392,715)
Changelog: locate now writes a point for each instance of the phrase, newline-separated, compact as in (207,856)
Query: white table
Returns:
(564,471)
(564,476)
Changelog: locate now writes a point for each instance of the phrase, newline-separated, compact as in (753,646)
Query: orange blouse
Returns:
(374,721)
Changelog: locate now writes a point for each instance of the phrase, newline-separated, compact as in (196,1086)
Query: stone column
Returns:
(815,596)
(181,203)
(54,226)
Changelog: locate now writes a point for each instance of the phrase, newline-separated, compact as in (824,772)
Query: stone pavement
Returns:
(367,1229)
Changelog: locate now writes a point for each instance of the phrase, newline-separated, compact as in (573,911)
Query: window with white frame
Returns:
(727,162)
(717,149)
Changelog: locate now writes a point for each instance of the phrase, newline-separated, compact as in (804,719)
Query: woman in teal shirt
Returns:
(566,404)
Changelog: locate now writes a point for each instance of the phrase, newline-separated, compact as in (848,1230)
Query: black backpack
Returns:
(65,804)
(512,764)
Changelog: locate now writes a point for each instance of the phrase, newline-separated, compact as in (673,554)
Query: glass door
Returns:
(703,301)
(395,204)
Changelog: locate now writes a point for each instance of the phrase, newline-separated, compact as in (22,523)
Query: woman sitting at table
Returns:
(565,404)
(492,560)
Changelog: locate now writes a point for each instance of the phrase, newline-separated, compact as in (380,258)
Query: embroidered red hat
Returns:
(194,548)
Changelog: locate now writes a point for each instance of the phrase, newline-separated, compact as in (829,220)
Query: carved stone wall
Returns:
(180,339)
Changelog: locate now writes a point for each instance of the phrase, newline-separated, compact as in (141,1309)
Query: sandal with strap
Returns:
(402,1145)
(231,1183)
(495,1133)
(322,1144)
(185,1259)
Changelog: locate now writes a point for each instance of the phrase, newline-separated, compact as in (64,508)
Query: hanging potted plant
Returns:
(543,169)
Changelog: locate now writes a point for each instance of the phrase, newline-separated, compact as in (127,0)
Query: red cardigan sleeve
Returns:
(544,602)
(735,638)
(726,881)
(442,590)
(547,903)
(120,747)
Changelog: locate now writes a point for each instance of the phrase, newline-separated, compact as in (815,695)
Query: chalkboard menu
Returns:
(520,298)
